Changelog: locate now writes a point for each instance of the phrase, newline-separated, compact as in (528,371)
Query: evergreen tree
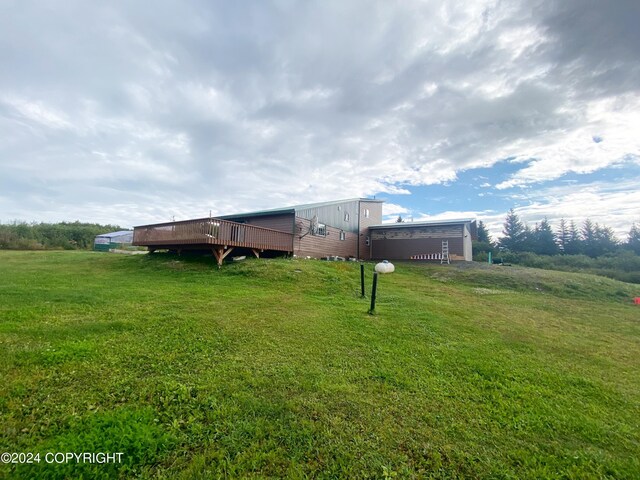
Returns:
(606,240)
(542,239)
(483,233)
(573,243)
(588,238)
(633,241)
(399,219)
(527,243)
(562,235)
(597,240)
(514,233)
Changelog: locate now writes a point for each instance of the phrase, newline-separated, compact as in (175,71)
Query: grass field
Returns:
(273,368)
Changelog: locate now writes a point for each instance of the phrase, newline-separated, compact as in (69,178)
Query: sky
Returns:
(133,112)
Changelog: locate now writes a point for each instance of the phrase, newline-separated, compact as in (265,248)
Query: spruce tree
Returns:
(514,233)
(562,235)
(633,241)
(483,233)
(588,238)
(543,241)
(573,243)
(606,240)
(597,240)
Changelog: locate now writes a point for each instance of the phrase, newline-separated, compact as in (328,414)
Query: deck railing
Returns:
(212,231)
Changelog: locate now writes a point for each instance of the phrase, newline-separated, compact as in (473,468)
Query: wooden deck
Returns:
(219,236)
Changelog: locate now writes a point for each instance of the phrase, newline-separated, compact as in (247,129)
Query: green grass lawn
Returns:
(273,368)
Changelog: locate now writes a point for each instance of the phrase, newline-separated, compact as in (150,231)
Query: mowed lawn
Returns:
(273,368)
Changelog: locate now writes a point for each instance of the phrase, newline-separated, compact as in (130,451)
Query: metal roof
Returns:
(428,223)
(295,208)
(116,234)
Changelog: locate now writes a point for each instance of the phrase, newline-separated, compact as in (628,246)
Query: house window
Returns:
(342,236)
(367,240)
(366,213)
(346,216)
(322,230)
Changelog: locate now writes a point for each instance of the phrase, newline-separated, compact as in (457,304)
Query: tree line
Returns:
(40,236)
(569,246)
(590,238)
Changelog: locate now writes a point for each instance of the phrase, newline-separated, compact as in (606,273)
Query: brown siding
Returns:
(403,242)
(375,218)
(308,245)
(403,249)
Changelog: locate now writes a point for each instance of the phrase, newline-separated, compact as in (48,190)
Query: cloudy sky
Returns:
(136,112)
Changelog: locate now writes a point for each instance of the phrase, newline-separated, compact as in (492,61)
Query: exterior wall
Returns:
(403,242)
(334,216)
(467,249)
(316,246)
(282,222)
(340,215)
(374,218)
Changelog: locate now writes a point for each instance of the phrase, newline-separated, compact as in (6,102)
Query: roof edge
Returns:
(303,206)
(427,223)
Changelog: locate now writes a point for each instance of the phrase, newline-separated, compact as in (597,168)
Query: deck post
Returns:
(220,254)
(255,252)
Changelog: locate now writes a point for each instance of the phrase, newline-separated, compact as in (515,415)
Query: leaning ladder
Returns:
(445,252)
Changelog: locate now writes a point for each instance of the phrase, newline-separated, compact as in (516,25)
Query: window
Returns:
(322,230)
(342,236)
(346,216)
(366,213)
(367,240)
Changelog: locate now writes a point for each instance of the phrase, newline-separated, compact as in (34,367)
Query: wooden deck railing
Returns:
(212,231)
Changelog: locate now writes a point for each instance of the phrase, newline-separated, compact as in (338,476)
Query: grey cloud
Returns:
(267,102)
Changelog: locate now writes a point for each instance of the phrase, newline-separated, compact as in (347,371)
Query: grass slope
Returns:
(274,369)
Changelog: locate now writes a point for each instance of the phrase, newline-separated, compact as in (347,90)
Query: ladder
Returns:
(445,252)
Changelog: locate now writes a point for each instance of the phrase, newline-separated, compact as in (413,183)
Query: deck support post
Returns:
(220,253)
(256,252)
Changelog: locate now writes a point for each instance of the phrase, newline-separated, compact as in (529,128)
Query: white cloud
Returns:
(241,108)
(612,121)
(616,205)
(393,209)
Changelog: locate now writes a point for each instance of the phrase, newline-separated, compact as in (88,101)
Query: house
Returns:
(108,241)
(337,228)
(345,228)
